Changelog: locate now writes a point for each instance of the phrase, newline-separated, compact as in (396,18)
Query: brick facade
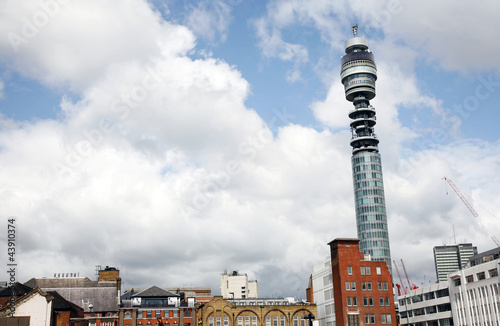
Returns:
(220,312)
(363,289)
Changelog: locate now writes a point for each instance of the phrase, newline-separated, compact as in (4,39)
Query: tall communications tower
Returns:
(358,74)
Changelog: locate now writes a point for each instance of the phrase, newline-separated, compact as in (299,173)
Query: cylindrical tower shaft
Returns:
(358,74)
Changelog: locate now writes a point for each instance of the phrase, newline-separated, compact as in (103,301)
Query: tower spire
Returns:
(358,74)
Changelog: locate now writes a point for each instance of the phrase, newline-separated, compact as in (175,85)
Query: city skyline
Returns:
(175,140)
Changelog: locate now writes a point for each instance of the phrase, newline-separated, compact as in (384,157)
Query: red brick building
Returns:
(156,307)
(362,288)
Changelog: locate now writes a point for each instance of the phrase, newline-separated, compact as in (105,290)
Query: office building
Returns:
(320,291)
(237,286)
(358,74)
(362,288)
(475,293)
(451,258)
(426,306)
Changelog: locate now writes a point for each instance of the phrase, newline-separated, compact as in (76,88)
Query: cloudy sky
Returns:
(177,139)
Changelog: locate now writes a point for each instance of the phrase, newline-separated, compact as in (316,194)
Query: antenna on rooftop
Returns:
(355,30)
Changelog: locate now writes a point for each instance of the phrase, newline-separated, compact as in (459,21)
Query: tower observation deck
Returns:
(358,74)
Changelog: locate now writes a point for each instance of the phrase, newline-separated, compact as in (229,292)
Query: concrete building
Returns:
(426,306)
(475,293)
(451,258)
(358,74)
(321,293)
(237,286)
(362,288)
(255,312)
(469,297)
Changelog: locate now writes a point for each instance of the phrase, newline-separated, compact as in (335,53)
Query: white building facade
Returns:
(322,282)
(426,306)
(474,294)
(237,286)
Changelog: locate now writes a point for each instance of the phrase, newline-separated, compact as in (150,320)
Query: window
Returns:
(187,313)
(353,286)
(386,286)
(157,313)
(349,301)
(247,320)
(372,318)
(355,301)
(240,321)
(127,315)
(349,270)
(387,301)
(367,319)
(295,321)
(254,321)
(148,313)
(282,321)
(493,272)
(369,286)
(268,321)
(362,270)
(481,276)
(457,282)
(210,321)
(368,270)
(275,320)
(382,301)
(388,319)
(379,270)
(217,321)
(226,321)
(363,286)
(382,318)
(347,286)
(380,287)
(469,278)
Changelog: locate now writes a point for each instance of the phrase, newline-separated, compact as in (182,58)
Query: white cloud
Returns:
(2,87)
(183,141)
(68,43)
(209,17)
(457,35)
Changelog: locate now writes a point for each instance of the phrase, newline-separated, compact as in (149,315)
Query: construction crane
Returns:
(400,287)
(469,206)
(412,286)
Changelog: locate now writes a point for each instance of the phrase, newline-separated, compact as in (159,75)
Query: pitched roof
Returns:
(76,282)
(26,297)
(155,291)
(81,291)
(59,303)
(19,289)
